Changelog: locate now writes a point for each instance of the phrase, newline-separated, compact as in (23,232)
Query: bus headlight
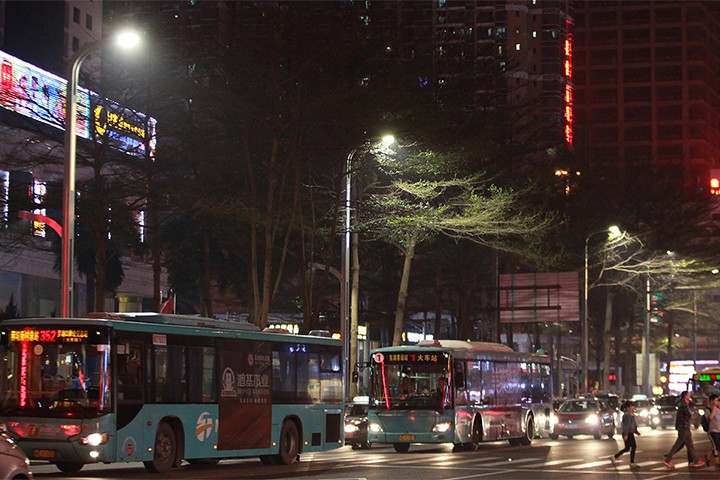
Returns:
(95,439)
(592,419)
(442,427)
(375,427)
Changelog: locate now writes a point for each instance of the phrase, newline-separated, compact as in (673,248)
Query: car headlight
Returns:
(95,439)
(701,412)
(644,413)
(375,427)
(442,427)
(592,419)
(654,411)
(553,420)
(351,428)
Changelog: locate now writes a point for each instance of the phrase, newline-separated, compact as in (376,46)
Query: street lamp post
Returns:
(125,40)
(614,232)
(350,283)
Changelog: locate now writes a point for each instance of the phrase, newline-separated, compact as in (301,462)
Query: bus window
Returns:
(130,374)
(330,377)
(284,379)
(201,374)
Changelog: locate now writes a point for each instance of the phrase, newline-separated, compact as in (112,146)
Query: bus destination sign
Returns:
(73,335)
(706,377)
(431,358)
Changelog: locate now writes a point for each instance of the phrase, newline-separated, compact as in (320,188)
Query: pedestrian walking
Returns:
(684,437)
(713,429)
(629,430)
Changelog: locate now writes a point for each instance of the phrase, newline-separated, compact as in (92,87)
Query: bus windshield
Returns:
(412,385)
(54,373)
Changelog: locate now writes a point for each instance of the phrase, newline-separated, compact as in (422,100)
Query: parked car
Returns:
(584,416)
(663,414)
(356,423)
(643,409)
(14,464)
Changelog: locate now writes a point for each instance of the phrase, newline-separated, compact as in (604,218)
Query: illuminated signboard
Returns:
(40,95)
(55,335)
(432,358)
(568,90)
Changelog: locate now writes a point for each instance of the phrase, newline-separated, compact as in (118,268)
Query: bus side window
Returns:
(201,374)
(130,385)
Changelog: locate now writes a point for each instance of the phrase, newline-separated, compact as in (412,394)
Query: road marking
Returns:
(508,462)
(559,462)
(591,464)
(478,475)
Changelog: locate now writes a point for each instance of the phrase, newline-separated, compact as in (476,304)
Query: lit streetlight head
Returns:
(614,232)
(388,140)
(127,39)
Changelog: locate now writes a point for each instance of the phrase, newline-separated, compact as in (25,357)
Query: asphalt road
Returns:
(544,459)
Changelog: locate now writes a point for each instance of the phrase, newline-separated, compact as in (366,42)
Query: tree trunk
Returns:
(606,344)
(402,293)
(438,297)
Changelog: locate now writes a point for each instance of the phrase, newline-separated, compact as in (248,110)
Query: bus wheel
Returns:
(165,450)
(529,432)
(289,443)
(401,447)
(267,459)
(69,467)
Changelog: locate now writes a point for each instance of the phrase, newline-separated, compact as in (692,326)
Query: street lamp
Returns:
(349,289)
(125,39)
(613,233)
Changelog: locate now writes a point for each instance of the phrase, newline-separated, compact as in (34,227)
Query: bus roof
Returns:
(468,350)
(170,323)
(466,345)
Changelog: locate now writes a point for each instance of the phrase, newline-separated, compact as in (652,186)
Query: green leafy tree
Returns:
(424,198)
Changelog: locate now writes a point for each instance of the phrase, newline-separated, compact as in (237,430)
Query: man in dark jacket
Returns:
(684,437)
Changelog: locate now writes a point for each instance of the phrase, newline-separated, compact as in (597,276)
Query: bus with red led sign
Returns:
(160,389)
(460,393)
(703,384)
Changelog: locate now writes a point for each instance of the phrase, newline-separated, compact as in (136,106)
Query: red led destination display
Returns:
(69,335)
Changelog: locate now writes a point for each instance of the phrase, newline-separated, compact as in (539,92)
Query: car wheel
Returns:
(366,445)
(554,436)
(570,437)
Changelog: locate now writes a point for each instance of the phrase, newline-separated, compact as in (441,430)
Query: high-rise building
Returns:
(646,96)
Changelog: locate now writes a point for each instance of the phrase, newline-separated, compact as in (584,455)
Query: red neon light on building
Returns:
(568,92)
(23,373)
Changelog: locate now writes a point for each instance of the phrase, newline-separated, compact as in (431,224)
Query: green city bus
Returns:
(160,389)
(460,393)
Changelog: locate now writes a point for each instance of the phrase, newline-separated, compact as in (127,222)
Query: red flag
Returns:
(168,306)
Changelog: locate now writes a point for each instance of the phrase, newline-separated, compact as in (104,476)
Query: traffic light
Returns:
(612,377)
(714,182)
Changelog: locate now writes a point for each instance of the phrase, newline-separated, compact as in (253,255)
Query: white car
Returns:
(14,464)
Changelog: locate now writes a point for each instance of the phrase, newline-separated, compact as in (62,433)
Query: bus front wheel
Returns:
(401,447)
(69,467)
(289,443)
(165,450)
(529,431)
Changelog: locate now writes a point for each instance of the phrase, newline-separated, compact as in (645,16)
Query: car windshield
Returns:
(643,403)
(577,406)
(666,401)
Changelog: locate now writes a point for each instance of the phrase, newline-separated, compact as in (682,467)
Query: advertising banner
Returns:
(245,401)
(40,95)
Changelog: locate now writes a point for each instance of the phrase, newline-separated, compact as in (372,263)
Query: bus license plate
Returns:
(44,453)
(407,438)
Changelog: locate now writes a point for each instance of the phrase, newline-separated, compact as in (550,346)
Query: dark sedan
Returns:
(664,411)
(584,416)
(356,423)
